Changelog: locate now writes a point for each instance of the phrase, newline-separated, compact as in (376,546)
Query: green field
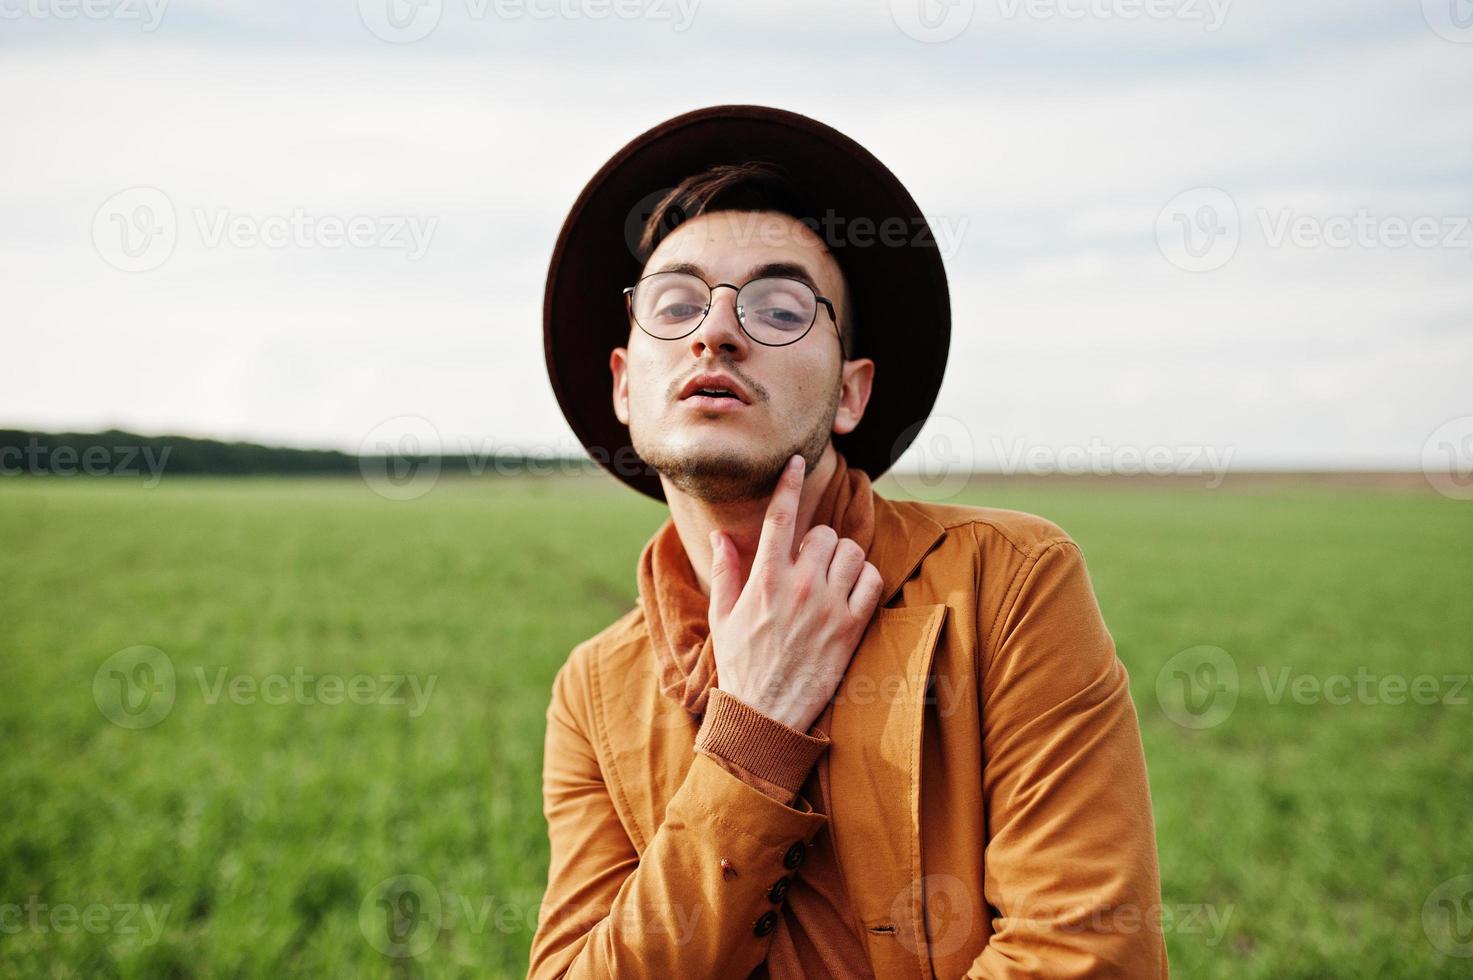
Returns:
(249,830)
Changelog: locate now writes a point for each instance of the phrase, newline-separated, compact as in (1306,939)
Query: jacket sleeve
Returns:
(1071,878)
(671,910)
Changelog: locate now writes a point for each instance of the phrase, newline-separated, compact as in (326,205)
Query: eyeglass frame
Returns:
(827,304)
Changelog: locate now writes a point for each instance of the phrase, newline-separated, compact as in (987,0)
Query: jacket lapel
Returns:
(873,768)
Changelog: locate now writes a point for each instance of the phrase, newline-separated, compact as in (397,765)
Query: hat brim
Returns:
(882,242)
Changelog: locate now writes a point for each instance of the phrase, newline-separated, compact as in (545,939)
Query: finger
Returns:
(726,586)
(775,544)
(866,594)
(847,563)
(817,551)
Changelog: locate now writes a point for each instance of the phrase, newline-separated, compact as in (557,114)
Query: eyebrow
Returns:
(789,270)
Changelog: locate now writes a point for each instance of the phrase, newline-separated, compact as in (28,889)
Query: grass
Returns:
(241,838)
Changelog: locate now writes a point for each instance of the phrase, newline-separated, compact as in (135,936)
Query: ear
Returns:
(619,367)
(855,384)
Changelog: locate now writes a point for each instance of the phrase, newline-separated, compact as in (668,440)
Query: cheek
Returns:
(809,381)
(645,376)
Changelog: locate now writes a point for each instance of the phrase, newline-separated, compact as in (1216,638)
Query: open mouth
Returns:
(714,392)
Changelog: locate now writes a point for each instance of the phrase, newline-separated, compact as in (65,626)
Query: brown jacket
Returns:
(990,811)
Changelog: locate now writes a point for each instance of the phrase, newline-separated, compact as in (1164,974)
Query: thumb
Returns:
(724,574)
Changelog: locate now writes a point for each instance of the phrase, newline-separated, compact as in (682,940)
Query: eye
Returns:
(778,316)
(678,311)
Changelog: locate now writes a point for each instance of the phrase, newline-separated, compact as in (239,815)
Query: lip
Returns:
(709,403)
(723,381)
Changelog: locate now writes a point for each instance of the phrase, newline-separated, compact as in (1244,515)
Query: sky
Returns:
(1186,229)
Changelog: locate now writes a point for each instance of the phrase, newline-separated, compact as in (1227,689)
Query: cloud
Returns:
(1049,144)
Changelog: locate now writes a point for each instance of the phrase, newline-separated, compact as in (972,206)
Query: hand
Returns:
(784,638)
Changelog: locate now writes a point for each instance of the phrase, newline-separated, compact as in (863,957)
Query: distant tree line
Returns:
(115,452)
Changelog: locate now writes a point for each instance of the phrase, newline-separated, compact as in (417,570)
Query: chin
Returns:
(713,468)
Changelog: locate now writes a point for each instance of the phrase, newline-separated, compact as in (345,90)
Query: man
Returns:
(838,735)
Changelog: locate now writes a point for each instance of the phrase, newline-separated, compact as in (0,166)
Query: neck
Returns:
(741,520)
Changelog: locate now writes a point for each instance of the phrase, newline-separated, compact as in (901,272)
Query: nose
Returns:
(721,331)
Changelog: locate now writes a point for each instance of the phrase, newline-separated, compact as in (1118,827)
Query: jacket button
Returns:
(795,856)
(779,890)
(766,924)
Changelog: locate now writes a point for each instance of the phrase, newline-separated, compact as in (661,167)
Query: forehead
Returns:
(728,245)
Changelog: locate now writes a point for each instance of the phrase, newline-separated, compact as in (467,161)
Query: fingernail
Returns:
(796,462)
(711,538)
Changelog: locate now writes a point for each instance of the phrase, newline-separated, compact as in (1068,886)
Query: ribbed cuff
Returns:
(735,732)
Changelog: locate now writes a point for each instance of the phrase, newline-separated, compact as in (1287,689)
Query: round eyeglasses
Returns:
(773,310)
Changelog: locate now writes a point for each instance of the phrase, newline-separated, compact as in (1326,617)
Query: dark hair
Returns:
(753,186)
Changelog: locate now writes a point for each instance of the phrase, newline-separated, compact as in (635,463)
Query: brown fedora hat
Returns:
(872,226)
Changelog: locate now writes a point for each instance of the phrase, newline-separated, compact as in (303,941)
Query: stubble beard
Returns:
(722,476)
